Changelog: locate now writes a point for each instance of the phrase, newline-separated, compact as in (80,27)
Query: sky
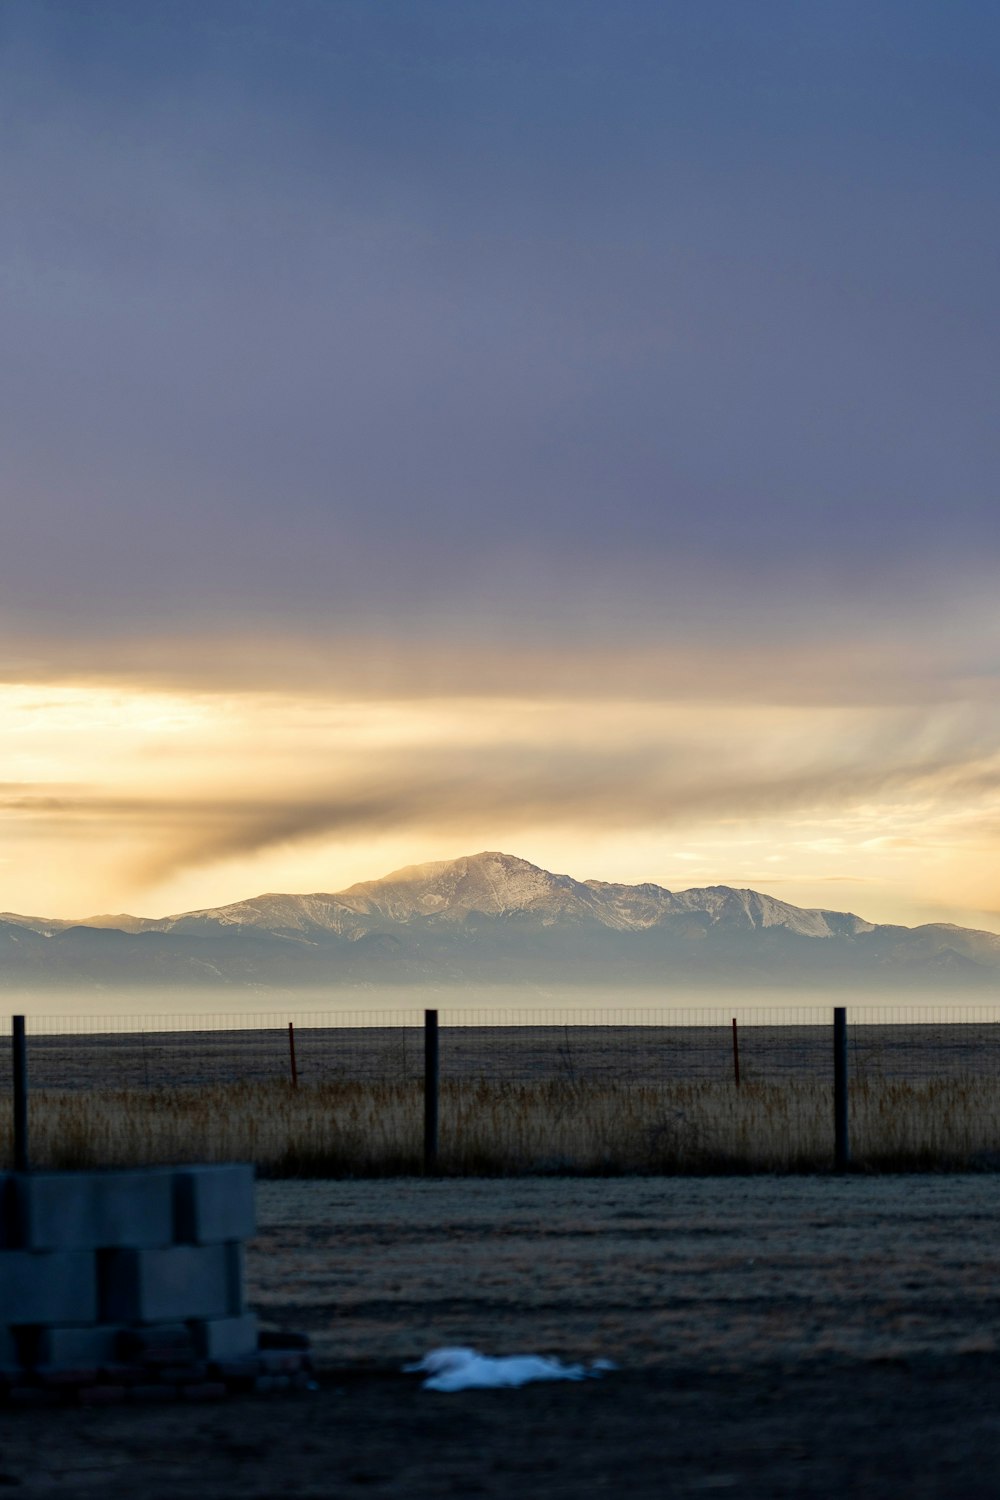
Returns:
(559,426)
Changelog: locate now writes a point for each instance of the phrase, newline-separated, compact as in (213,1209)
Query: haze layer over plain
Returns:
(526,425)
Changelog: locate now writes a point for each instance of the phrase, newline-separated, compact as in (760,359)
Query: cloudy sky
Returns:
(559,426)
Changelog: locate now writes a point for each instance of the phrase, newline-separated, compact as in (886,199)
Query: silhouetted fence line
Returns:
(768,1089)
(626,1047)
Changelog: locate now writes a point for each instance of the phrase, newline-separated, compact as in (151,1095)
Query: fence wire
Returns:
(649,1047)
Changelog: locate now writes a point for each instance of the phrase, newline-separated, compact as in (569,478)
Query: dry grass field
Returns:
(489,1128)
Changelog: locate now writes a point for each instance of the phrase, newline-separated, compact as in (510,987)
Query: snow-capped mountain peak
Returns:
(492,916)
(497,885)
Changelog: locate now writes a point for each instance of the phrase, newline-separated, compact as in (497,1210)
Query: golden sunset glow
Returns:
(119,798)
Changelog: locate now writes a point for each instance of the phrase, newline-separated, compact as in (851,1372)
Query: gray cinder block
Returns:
(214,1203)
(47,1286)
(181,1282)
(236,1262)
(225,1338)
(94,1210)
(79,1347)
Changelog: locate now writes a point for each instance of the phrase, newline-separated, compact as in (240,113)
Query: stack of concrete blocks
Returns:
(100,1270)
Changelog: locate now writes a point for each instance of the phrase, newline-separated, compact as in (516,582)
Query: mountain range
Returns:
(493,918)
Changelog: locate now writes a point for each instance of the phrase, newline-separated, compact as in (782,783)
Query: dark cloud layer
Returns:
(494,316)
(920,654)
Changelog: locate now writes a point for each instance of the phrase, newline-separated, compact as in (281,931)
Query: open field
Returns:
(775,1337)
(655,1272)
(776,1046)
(361,1129)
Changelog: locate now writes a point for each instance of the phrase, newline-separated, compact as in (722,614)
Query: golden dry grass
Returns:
(353,1129)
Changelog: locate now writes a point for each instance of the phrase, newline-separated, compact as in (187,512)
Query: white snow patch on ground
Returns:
(466,1369)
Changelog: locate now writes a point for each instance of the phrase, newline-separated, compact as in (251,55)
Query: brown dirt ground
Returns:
(775,1337)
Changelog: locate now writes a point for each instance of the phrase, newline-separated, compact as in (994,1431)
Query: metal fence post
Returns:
(736,1054)
(432,1078)
(20,1061)
(291,1055)
(841,1144)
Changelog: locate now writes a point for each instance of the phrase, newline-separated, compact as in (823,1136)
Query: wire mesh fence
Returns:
(647,1047)
(652,1090)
